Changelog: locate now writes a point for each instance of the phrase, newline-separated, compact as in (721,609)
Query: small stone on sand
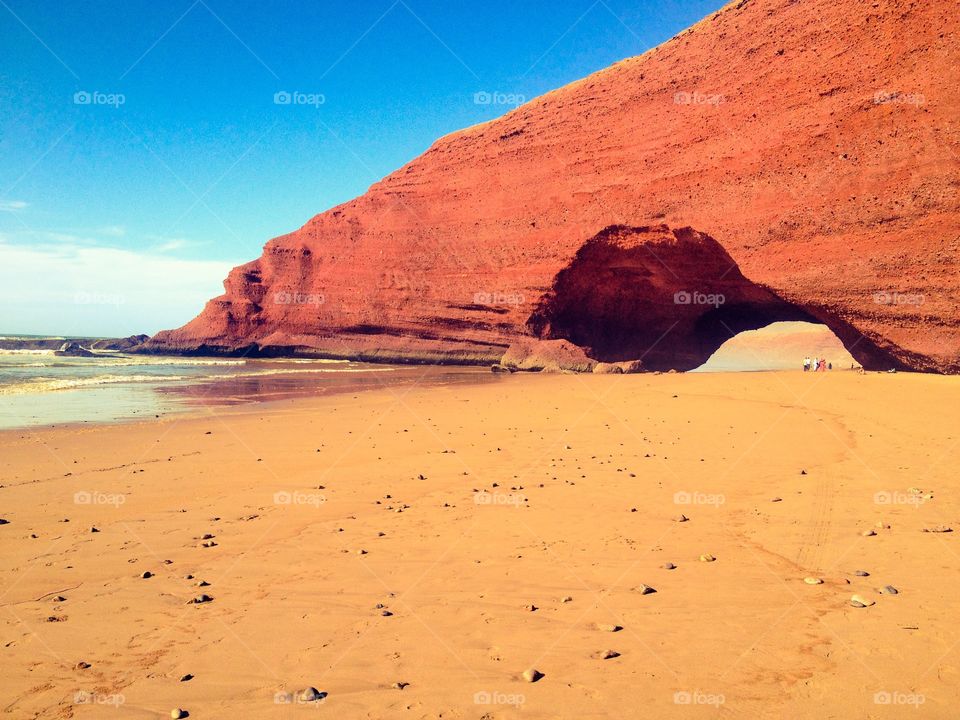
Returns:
(177,713)
(146,574)
(861,573)
(644,589)
(680,518)
(859,601)
(532,675)
(399,685)
(707,557)
(938,529)
(311,694)
(869,533)
(668,566)
(776,499)
(609,628)
(606,654)
(566,599)
(200,599)
(813,581)
(82,665)
(186,678)
(888,590)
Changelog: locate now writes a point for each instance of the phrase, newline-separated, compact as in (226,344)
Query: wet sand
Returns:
(411,551)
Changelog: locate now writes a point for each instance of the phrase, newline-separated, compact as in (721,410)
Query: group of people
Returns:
(816,365)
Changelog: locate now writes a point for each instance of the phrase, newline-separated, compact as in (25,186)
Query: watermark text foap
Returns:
(95,97)
(895,97)
(289,698)
(98,298)
(488,498)
(891,297)
(488,697)
(482,97)
(84,697)
(295,497)
(698,98)
(283,97)
(682,497)
(697,697)
(298,298)
(694,297)
(895,497)
(894,697)
(498,298)
(95,497)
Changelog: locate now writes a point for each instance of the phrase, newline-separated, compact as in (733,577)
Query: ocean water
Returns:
(40,388)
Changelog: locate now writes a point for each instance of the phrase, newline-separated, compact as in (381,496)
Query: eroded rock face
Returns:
(815,143)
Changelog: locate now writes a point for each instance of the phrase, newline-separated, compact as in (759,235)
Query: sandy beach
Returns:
(410,552)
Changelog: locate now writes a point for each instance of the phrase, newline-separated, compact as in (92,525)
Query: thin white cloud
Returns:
(12,205)
(78,289)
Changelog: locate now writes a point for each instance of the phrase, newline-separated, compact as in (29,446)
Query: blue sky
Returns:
(143,150)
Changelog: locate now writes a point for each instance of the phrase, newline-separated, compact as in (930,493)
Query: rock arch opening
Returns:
(670,298)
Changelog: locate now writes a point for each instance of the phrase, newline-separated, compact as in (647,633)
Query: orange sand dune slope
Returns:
(815,142)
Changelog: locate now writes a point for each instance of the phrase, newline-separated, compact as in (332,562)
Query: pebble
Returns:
(668,566)
(644,589)
(861,573)
(146,574)
(869,533)
(813,581)
(939,529)
(177,713)
(82,665)
(566,599)
(311,694)
(532,675)
(707,557)
(858,601)
(888,590)
(776,499)
(201,599)
(530,608)
(386,613)
(58,598)
(399,685)
(186,678)
(203,583)
(609,628)
(680,518)
(607,654)
(361,552)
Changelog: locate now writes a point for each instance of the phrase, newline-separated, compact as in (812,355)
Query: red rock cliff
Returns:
(811,146)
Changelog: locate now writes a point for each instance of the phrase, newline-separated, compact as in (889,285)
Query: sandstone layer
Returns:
(815,144)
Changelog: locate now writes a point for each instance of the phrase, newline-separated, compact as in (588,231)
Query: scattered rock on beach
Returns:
(858,601)
(532,675)
(680,518)
(707,557)
(888,590)
(186,678)
(609,628)
(310,694)
(813,581)
(178,713)
(668,566)
(146,574)
(861,573)
(868,533)
(938,529)
(606,654)
(644,589)
(200,599)
(399,685)
(566,599)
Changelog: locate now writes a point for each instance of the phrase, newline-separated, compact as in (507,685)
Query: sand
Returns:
(504,524)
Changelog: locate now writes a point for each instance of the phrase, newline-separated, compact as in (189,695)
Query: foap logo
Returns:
(488,498)
(686,297)
(95,497)
(697,98)
(85,97)
(298,298)
(302,698)
(899,498)
(488,697)
(683,497)
(885,297)
(482,97)
(98,298)
(895,97)
(296,497)
(498,298)
(894,697)
(696,697)
(83,697)
(296,97)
